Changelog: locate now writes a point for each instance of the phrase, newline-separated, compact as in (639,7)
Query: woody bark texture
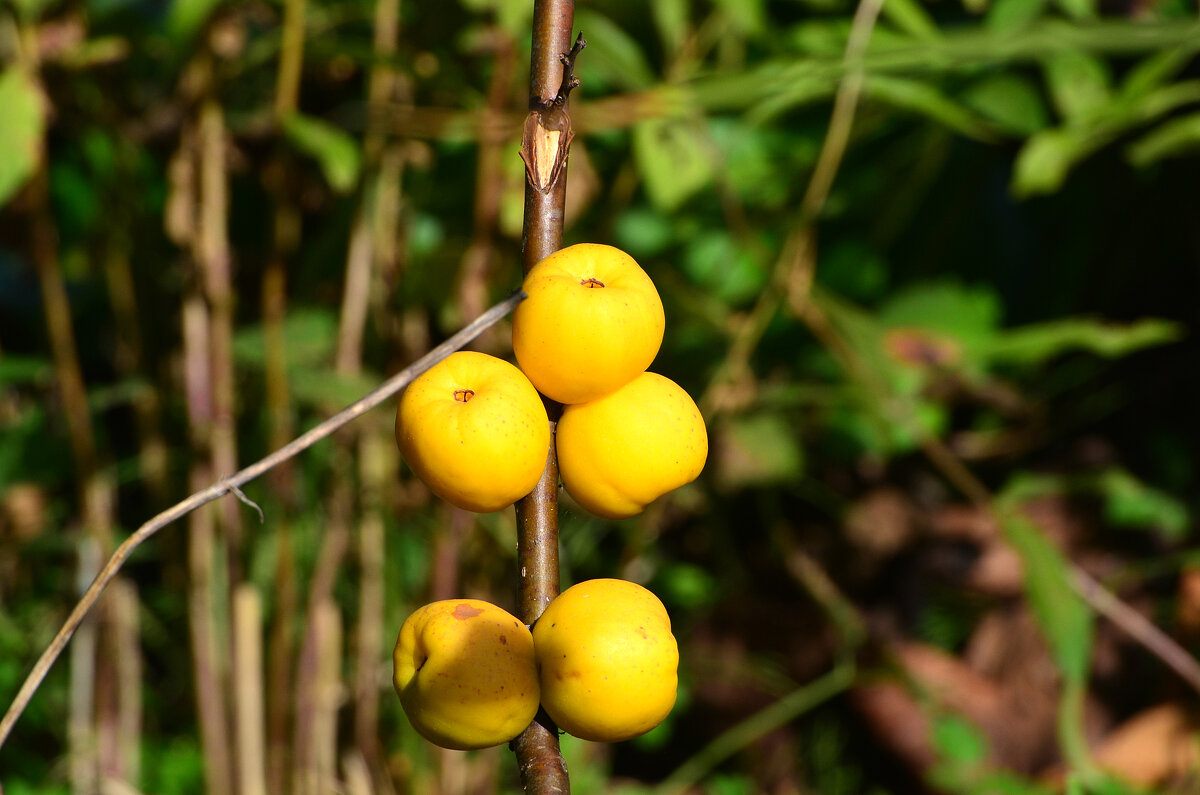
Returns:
(544,148)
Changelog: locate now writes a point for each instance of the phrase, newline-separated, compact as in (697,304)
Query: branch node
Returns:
(241,495)
(569,80)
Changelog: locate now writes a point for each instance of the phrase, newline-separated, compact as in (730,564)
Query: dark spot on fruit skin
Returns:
(503,641)
(464,611)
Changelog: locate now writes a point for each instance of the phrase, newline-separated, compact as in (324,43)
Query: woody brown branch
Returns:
(544,148)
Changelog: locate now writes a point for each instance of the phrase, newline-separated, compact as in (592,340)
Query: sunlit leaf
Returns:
(1061,613)
(1130,503)
(612,52)
(921,97)
(911,17)
(671,20)
(1035,344)
(186,17)
(1079,84)
(1044,161)
(332,147)
(1009,101)
(21,127)
(970,314)
(1174,138)
(1007,15)
(673,160)
(959,739)
(747,16)
(1078,9)
(1153,71)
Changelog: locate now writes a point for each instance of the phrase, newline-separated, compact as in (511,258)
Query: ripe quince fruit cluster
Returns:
(475,430)
(601,661)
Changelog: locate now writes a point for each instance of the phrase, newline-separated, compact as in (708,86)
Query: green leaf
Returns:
(686,585)
(671,20)
(185,18)
(313,386)
(31,10)
(1010,101)
(23,369)
(912,18)
(1078,9)
(1061,614)
(643,232)
(1153,71)
(1010,15)
(958,739)
(1035,344)
(332,147)
(1173,138)
(756,450)
(1079,84)
(673,159)
(612,52)
(920,97)
(310,336)
(22,123)
(714,260)
(1044,161)
(970,314)
(747,17)
(1130,503)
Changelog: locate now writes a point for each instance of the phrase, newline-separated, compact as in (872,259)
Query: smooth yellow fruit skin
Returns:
(482,454)
(577,342)
(607,660)
(618,453)
(466,674)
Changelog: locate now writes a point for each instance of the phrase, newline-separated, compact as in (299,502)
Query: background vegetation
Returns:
(944,344)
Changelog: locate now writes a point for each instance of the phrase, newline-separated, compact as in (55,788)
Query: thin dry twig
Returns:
(794,269)
(958,474)
(223,487)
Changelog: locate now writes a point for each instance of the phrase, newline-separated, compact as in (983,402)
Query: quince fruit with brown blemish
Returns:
(475,431)
(592,322)
(607,660)
(466,674)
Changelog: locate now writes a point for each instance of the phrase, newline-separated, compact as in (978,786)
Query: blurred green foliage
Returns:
(1007,255)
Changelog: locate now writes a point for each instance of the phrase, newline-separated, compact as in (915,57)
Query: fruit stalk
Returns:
(544,149)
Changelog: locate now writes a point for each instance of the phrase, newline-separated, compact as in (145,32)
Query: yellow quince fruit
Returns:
(607,660)
(466,674)
(592,321)
(618,453)
(475,431)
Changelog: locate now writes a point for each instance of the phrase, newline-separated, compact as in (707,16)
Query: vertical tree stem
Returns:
(538,757)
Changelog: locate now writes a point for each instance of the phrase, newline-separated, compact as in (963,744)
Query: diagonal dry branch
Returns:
(232,485)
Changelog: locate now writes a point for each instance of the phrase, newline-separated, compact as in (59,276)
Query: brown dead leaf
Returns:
(1157,747)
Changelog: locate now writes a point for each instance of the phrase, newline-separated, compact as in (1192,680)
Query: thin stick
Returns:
(793,272)
(226,486)
(1137,626)
(763,722)
(248,689)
